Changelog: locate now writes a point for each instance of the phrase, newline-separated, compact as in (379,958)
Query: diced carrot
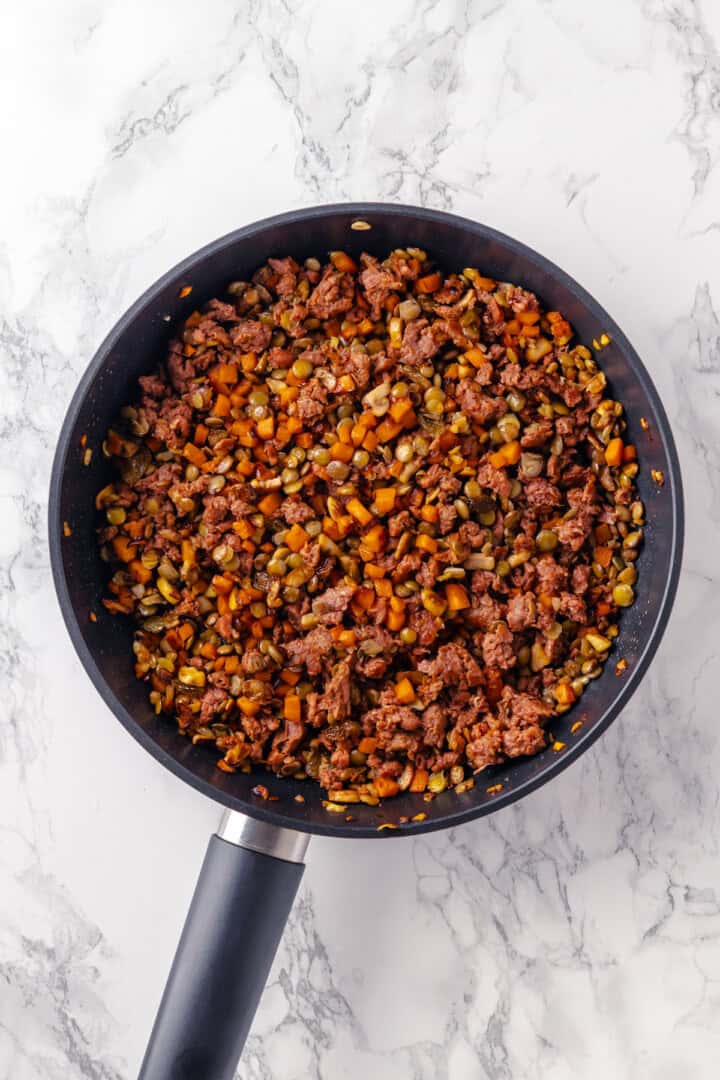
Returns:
(399,409)
(367,745)
(374,538)
(603,555)
(387,430)
(226,373)
(404,691)
(385,787)
(429,512)
(340,451)
(457,597)
(221,584)
(476,357)
(614,452)
(344,637)
(194,455)
(395,620)
(372,570)
(419,780)
(291,678)
(528,318)
(243,528)
(221,406)
(511,452)
(296,537)
(359,512)
(363,597)
(292,708)
(385,499)
(629,453)
(357,434)
(124,550)
(330,528)
(426,543)
(383,588)
(265,427)
(248,707)
(370,442)
(343,434)
(269,503)
(294,424)
(603,608)
(342,261)
(345,524)
(304,439)
(139,573)
(429,283)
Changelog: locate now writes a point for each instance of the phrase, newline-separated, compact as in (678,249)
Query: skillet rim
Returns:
(459,813)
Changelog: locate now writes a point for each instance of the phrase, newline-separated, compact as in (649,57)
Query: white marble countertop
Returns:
(575,935)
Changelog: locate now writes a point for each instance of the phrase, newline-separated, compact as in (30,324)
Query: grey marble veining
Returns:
(576,934)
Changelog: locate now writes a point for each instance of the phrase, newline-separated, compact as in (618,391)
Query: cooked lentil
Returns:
(375,524)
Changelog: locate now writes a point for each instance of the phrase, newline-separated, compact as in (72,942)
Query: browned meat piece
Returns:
(153,385)
(378,283)
(552,577)
(484,613)
(496,480)
(537,434)
(286,271)
(250,335)
(519,742)
(425,625)
(497,648)
(312,651)
(541,495)
(573,607)
(335,699)
(418,343)
(575,531)
(295,511)
(331,605)
(480,407)
(447,516)
(486,750)
(438,477)
(454,665)
(333,295)
(521,300)
(312,400)
(355,363)
(435,721)
(521,612)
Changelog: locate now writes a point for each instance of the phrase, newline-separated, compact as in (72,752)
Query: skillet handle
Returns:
(242,899)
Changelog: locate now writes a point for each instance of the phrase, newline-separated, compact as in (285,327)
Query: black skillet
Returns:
(253,867)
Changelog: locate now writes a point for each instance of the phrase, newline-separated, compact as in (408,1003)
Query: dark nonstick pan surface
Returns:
(134,347)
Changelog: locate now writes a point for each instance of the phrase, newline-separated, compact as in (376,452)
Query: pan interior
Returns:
(134,348)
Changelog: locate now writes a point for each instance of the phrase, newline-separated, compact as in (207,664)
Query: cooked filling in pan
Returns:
(375,524)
